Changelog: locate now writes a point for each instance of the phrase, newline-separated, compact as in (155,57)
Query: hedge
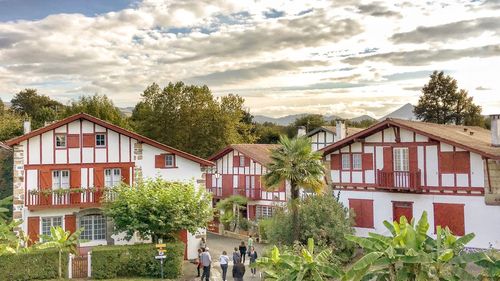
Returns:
(136,261)
(37,264)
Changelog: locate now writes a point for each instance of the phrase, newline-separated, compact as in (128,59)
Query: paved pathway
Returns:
(217,244)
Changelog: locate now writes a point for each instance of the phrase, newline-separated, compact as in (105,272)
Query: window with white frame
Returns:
(401,161)
(60,179)
(356,161)
(263,212)
(242,161)
(250,182)
(100,140)
(169,160)
(49,222)
(112,177)
(346,162)
(60,141)
(94,227)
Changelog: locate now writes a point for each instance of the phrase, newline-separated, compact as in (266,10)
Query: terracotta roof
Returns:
(260,153)
(332,129)
(113,128)
(460,136)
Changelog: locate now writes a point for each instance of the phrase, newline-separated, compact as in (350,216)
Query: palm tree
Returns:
(295,162)
(61,240)
(5,203)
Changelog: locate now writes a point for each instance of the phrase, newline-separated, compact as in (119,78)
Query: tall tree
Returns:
(441,102)
(39,108)
(269,132)
(189,118)
(11,125)
(99,106)
(296,163)
(310,121)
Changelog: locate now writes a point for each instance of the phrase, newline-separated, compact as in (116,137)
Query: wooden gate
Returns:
(80,267)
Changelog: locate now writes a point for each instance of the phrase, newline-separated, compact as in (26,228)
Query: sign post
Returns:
(161,255)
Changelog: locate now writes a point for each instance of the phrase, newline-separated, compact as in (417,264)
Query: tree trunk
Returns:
(295,211)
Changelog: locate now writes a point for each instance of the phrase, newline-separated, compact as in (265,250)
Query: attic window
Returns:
(61,141)
(242,161)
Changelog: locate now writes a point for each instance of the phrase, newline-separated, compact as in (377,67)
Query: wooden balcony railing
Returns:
(67,198)
(253,194)
(399,180)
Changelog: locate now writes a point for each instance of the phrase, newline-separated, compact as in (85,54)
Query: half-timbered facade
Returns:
(400,167)
(61,171)
(325,135)
(238,171)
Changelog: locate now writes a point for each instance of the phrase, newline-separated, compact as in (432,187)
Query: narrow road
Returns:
(217,244)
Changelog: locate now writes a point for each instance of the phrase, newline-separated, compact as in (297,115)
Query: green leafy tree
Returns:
(322,218)
(310,121)
(11,125)
(189,118)
(304,265)
(39,108)
(296,163)
(269,132)
(410,254)
(6,171)
(99,106)
(10,243)
(63,241)
(231,208)
(361,124)
(159,209)
(441,102)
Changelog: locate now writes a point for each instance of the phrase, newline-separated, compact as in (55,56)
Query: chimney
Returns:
(301,131)
(340,130)
(27,126)
(495,129)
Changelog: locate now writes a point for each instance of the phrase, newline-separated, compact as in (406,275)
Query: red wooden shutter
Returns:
(247,161)
(98,177)
(126,175)
(160,161)
(462,162)
(335,162)
(355,205)
(413,158)
(227,185)
(446,164)
(251,212)
(70,223)
(451,216)
(45,179)
(400,209)
(367,161)
(33,228)
(88,140)
(257,182)
(73,141)
(208,180)
(236,161)
(241,181)
(75,183)
(388,161)
(367,210)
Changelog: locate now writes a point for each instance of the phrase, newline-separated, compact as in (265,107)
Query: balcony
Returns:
(253,194)
(399,180)
(67,198)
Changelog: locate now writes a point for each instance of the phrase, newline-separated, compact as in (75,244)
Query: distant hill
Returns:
(287,120)
(362,118)
(404,112)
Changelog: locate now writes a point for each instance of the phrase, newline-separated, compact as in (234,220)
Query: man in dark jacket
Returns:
(238,271)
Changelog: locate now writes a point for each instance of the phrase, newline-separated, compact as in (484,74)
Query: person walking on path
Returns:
(206,262)
(203,243)
(243,251)
(224,263)
(250,242)
(198,262)
(253,258)
(238,271)
(236,255)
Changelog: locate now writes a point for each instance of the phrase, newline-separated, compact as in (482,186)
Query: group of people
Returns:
(204,262)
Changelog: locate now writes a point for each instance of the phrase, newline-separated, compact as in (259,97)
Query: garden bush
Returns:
(38,264)
(136,261)
(322,218)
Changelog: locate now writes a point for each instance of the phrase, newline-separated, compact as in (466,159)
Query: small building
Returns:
(400,167)
(87,154)
(325,135)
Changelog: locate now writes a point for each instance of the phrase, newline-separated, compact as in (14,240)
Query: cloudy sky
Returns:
(343,57)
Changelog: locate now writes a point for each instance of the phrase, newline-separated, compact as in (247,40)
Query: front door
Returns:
(400,209)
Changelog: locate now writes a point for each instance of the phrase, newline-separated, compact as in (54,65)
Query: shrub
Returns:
(244,224)
(264,225)
(136,261)
(40,264)
(322,218)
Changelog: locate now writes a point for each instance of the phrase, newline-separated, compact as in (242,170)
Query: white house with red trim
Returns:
(400,167)
(325,135)
(239,170)
(84,154)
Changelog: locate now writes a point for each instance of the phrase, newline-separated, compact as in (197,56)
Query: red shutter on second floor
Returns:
(227,185)
(126,175)
(388,162)
(367,161)
(88,140)
(45,179)
(335,162)
(208,180)
(247,161)
(33,228)
(70,223)
(236,161)
(413,158)
(98,177)
(446,162)
(160,161)
(251,212)
(75,178)
(257,182)
(462,162)
(241,181)
(73,141)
